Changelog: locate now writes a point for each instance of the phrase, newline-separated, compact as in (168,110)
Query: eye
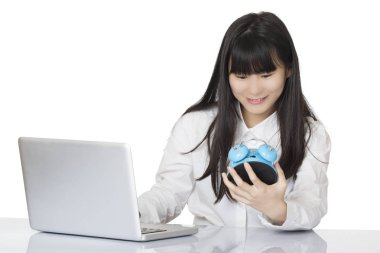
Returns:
(266,75)
(240,76)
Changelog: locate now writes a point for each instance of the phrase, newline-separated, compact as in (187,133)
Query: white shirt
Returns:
(176,184)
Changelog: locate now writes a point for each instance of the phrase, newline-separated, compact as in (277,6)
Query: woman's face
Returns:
(257,93)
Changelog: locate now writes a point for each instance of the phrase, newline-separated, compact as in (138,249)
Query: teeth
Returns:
(256,100)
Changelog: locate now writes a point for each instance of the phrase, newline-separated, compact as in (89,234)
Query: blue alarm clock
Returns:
(261,160)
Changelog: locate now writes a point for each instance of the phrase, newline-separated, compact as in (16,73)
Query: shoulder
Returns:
(316,127)
(195,124)
(319,141)
(198,118)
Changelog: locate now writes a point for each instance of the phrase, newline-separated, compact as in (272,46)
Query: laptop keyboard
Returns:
(151,230)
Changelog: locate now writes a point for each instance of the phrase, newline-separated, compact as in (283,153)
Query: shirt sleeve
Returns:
(174,180)
(307,201)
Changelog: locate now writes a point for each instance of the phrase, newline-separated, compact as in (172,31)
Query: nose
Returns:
(254,84)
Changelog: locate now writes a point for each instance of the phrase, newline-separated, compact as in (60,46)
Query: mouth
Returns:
(256,101)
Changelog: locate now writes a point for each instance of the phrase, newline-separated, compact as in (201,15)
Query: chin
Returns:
(259,110)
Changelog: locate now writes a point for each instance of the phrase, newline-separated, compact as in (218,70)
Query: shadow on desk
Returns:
(208,239)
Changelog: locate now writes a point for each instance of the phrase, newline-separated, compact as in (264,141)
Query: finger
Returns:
(252,175)
(280,172)
(235,189)
(235,176)
(228,183)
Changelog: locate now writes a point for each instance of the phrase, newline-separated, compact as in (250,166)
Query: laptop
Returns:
(86,188)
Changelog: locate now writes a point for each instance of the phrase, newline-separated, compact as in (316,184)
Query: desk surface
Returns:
(16,236)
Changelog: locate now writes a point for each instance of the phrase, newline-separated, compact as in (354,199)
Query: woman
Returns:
(254,94)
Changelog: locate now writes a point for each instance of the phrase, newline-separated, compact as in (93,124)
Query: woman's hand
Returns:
(268,199)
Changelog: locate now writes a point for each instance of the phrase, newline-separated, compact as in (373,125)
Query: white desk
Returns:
(16,237)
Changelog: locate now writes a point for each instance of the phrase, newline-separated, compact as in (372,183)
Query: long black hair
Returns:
(254,43)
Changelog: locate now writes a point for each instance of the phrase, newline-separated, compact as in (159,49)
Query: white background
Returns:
(125,72)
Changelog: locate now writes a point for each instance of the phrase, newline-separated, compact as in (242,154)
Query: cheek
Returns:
(237,88)
(237,91)
(276,87)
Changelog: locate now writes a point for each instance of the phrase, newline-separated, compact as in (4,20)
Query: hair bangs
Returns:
(253,55)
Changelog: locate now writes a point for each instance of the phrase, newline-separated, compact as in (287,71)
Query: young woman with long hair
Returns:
(254,96)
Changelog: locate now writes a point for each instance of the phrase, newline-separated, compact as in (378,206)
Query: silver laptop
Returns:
(86,188)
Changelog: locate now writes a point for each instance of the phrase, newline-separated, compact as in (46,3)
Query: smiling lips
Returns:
(256,101)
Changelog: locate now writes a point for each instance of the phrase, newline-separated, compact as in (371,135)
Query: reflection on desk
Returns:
(208,239)
(17,237)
